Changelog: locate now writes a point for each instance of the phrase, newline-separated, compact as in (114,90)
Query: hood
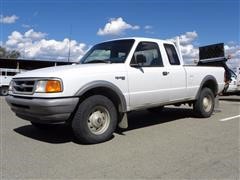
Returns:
(75,69)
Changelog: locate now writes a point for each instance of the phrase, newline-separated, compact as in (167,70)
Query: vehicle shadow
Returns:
(59,134)
(56,134)
(141,119)
(232,93)
(229,99)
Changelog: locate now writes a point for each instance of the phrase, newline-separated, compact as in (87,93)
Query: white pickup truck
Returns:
(6,76)
(113,78)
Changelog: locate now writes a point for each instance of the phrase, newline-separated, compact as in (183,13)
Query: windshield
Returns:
(109,52)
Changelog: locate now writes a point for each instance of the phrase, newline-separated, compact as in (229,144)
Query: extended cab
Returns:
(113,78)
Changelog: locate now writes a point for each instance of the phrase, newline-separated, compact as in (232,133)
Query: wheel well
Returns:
(211,84)
(109,93)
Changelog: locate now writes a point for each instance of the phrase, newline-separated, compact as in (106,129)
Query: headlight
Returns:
(10,88)
(49,86)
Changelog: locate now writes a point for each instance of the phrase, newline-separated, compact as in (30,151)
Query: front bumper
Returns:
(43,110)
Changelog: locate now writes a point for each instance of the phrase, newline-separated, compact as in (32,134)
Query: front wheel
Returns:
(95,120)
(204,105)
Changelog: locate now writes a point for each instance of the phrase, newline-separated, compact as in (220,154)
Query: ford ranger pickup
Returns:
(113,78)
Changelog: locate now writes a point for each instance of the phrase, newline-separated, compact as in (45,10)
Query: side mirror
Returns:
(140,60)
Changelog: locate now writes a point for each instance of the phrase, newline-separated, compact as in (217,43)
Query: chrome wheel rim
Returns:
(98,120)
(207,104)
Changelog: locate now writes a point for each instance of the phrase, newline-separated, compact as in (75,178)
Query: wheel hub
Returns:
(99,120)
(207,104)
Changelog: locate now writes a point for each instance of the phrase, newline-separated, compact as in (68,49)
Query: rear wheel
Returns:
(95,120)
(4,91)
(204,105)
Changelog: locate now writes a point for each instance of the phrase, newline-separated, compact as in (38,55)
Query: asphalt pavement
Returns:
(172,144)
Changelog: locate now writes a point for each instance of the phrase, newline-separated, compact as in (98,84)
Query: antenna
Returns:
(69,43)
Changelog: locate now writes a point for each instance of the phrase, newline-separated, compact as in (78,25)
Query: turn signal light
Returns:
(53,86)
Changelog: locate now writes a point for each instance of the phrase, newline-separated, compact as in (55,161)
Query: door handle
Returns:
(165,73)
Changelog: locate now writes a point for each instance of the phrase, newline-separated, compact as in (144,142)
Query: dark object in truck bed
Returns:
(213,51)
(212,55)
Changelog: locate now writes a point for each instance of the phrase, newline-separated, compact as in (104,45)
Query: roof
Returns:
(142,39)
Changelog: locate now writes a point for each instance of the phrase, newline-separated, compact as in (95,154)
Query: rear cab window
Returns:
(172,54)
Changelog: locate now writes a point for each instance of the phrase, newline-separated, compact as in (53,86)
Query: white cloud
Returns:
(31,34)
(34,45)
(116,26)
(8,19)
(188,37)
(189,53)
(188,50)
(233,49)
(147,27)
(26,26)
(14,38)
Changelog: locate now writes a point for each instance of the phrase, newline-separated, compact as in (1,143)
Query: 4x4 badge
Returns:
(120,77)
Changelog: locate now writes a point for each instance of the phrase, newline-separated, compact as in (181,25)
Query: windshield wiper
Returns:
(98,61)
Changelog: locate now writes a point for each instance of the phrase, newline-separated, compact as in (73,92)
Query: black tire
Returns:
(95,120)
(156,109)
(205,103)
(4,91)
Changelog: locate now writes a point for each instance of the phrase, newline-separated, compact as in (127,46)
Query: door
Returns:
(177,75)
(148,81)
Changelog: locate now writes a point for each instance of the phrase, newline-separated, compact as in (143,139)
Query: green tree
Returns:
(11,54)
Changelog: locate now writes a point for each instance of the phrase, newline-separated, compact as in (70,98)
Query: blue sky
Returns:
(213,21)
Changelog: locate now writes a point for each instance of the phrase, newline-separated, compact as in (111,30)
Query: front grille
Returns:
(22,86)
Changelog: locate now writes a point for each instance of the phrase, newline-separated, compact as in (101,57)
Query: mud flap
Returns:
(123,122)
(217,107)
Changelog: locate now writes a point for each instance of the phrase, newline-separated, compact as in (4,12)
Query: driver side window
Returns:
(150,52)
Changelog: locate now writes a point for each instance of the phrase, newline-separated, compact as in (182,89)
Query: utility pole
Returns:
(69,43)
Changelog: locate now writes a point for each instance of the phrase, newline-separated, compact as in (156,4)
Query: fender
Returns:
(206,79)
(104,84)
